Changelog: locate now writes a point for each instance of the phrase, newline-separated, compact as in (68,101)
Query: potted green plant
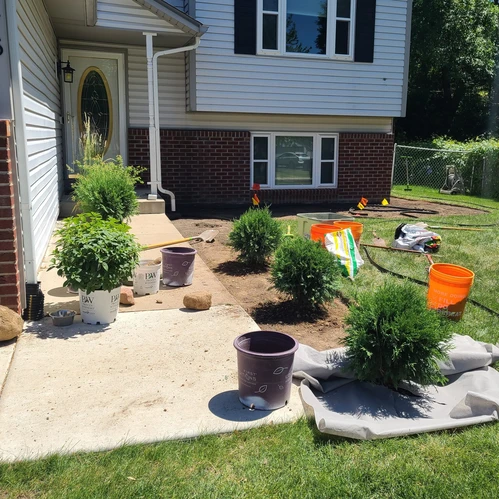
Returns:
(95,256)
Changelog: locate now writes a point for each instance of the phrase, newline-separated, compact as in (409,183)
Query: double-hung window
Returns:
(294,160)
(314,28)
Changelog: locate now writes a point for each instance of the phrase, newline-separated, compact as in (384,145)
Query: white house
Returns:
(294,98)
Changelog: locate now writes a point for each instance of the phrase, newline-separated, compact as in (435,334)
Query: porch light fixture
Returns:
(67,71)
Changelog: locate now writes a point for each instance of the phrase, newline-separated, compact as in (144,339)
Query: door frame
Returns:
(123,118)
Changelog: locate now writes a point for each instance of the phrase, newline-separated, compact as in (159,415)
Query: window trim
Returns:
(330,39)
(316,165)
(351,45)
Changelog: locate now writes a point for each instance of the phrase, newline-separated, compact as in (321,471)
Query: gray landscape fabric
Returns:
(350,408)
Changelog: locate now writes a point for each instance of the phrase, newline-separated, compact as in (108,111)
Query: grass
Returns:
(476,251)
(290,461)
(293,460)
(419,192)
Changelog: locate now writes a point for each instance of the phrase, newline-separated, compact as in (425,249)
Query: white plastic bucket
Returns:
(146,278)
(99,307)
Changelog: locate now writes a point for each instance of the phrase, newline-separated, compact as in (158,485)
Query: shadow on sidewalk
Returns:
(46,330)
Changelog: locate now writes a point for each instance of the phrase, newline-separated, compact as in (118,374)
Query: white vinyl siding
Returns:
(126,14)
(173,114)
(229,82)
(41,102)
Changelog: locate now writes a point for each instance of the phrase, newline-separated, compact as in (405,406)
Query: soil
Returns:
(253,289)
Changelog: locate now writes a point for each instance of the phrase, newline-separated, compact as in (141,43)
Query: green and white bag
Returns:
(342,244)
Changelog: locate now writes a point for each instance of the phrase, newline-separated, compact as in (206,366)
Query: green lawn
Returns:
(427,193)
(284,461)
(294,461)
(476,251)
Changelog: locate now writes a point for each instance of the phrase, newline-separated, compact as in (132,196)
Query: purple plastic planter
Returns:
(265,368)
(178,265)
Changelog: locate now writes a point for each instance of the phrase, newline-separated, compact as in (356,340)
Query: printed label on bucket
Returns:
(449,302)
(146,280)
(100,306)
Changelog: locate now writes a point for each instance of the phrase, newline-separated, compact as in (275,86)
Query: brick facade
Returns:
(204,167)
(213,167)
(9,270)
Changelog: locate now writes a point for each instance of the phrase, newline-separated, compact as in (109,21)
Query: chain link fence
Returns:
(450,171)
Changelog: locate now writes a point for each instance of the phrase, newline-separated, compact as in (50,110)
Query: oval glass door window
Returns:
(94,103)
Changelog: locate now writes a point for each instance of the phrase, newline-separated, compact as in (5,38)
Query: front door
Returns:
(97,94)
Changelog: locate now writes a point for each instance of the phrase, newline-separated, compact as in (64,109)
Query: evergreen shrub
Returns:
(393,337)
(305,271)
(256,235)
(108,188)
(103,186)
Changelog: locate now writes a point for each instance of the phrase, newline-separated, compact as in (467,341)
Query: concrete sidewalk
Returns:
(149,229)
(155,374)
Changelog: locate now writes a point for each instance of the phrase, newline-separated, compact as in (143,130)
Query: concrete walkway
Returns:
(160,373)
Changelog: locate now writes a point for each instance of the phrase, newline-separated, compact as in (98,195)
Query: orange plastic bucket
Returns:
(355,227)
(448,289)
(318,231)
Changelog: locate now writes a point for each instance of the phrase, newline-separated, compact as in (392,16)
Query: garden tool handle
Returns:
(456,228)
(392,249)
(169,243)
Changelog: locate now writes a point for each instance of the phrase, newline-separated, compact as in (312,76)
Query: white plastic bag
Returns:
(416,237)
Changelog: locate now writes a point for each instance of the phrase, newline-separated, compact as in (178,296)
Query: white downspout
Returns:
(156,116)
(21,151)
(152,134)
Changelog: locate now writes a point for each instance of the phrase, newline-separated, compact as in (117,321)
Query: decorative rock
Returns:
(199,300)
(126,296)
(11,324)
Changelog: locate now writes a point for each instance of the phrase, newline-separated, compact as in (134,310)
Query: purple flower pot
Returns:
(265,368)
(178,265)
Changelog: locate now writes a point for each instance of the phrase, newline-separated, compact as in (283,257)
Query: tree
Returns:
(321,39)
(454,58)
(293,43)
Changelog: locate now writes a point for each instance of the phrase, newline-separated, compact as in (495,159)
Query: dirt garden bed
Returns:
(253,290)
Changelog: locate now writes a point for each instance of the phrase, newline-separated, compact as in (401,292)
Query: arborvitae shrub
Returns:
(107,188)
(256,235)
(305,271)
(103,186)
(393,337)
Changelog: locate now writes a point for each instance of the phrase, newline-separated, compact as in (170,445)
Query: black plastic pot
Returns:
(34,302)
(178,265)
(265,368)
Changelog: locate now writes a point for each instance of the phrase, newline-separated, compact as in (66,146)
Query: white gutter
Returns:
(152,132)
(155,152)
(26,204)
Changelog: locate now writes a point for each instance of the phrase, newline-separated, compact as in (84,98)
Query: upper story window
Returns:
(321,29)
(313,28)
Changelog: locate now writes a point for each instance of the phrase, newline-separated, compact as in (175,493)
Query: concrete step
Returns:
(67,207)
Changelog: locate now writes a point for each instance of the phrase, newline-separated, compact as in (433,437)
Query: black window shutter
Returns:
(364,31)
(245,27)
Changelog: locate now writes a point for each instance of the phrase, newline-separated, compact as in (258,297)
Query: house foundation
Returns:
(213,167)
